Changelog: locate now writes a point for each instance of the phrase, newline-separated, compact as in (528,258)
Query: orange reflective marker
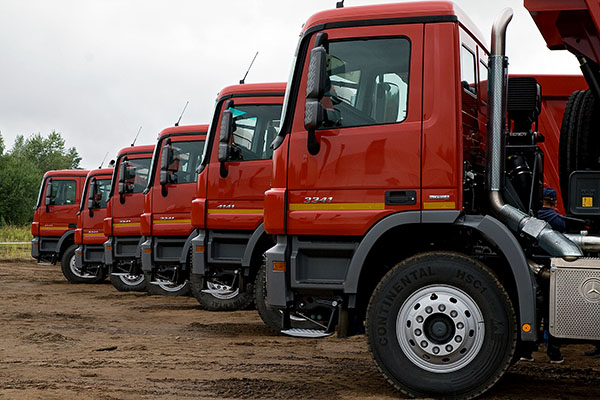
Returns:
(279,266)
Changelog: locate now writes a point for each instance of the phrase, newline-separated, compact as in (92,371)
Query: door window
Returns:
(102,192)
(255,127)
(367,82)
(63,192)
(136,175)
(186,157)
(467,68)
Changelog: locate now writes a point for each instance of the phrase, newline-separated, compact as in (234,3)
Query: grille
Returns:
(575,299)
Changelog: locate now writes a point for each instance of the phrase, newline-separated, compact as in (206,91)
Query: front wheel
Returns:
(74,274)
(441,325)
(221,293)
(166,288)
(128,282)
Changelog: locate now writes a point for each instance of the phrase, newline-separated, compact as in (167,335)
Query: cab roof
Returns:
(419,12)
(100,171)
(247,89)
(183,129)
(149,148)
(66,172)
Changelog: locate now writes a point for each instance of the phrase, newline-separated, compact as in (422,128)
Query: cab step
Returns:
(307,333)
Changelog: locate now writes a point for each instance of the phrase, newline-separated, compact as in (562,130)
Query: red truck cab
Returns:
(227,211)
(55,214)
(122,223)
(86,257)
(166,225)
(407,176)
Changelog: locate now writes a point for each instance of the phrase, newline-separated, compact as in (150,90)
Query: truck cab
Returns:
(122,223)
(227,211)
(407,175)
(55,214)
(86,257)
(166,225)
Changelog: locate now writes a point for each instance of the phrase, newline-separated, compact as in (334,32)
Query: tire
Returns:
(458,309)
(567,148)
(130,283)
(72,273)
(588,142)
(270,316)
(231,298)
(166,289)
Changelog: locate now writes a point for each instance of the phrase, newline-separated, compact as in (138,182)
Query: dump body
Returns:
(55,215)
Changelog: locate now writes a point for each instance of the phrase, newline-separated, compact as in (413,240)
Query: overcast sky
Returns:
(96,71)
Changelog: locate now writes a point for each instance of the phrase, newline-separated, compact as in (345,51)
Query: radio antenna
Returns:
(184,107)
(136,136)
(244,78)
(339,4)
(104,159)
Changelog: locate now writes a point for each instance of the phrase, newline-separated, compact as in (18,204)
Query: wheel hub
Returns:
(440,328)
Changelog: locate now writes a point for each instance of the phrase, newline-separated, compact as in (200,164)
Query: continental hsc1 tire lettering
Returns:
(389,299)
(469,279)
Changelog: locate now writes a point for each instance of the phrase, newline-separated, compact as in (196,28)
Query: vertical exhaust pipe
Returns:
(555,243)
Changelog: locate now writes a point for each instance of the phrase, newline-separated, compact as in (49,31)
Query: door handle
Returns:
(400,197)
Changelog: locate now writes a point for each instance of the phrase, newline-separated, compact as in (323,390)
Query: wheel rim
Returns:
(170,287)
(77,271)
(221,290)
(132,280)
(440,328)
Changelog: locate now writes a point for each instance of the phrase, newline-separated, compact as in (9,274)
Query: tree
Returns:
(22,169)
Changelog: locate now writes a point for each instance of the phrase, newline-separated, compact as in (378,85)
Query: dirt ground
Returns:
(65,341)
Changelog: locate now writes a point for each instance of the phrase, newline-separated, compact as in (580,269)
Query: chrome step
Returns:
(162,282)
(123,274)
(307,333)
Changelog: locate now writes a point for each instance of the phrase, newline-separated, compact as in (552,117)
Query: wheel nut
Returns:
(453,314)
(458,339)
(420,319)
(460,325)
(429,310)
(424,344)
(436,350)
(418,332)
(449,348)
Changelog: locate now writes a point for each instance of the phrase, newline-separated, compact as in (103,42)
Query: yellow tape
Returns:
(235,211)
(337,206)
(128,224)
(172,221)
(439,205)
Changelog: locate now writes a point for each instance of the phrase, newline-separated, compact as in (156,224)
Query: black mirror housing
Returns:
(225,135)
(317,73)
(92,190)
(48,195)
(313,114)
(165,160)
(122,168)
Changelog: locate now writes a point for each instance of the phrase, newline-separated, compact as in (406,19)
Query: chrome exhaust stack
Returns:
(553,242)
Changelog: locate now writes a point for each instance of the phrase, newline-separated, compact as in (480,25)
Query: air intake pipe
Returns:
(553,242)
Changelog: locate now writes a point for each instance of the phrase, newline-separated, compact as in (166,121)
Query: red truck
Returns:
(122,223)
(407,175)
(86,257)
(166,225)
(229,240)
(55,215)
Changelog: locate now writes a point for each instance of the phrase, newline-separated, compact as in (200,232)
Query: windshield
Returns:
(102,192)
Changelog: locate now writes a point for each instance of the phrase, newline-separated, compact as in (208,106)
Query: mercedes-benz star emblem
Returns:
(590,289)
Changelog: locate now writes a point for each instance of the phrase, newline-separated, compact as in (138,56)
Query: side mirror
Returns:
(315,89)
(225,135)
(92,190)
(165,160)
(48,195)
(122,169)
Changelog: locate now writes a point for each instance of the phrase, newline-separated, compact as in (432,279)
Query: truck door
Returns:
(60,215)
(172,204)
(92,224)
(369,161)
(235,190)
(127,207)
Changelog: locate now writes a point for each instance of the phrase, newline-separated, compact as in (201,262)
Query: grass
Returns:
(15,234)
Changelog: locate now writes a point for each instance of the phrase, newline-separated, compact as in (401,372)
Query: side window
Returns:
(367,82)
(483,80)
(102,191)
(63,192)
(255,127)
(467,70)
(186,158)
(136,174)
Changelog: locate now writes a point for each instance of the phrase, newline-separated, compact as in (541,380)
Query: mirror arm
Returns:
(312,144)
